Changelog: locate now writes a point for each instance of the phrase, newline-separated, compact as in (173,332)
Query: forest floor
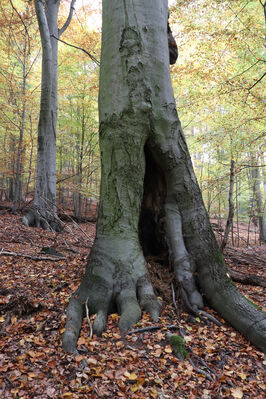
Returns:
(35,289)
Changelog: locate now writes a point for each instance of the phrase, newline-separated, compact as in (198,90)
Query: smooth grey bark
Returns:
(229,222)
(17,181)
(44,212)
(138,115)
(255,173)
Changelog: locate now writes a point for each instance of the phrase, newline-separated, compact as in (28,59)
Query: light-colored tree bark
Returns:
(255,173)
(147,174)
(23,58)
(230,217)
(44,212)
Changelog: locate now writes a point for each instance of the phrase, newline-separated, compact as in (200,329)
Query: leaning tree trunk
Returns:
(44,212)
(140,132)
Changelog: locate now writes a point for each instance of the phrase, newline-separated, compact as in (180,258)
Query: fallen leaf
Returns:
(131,376)
(237,393)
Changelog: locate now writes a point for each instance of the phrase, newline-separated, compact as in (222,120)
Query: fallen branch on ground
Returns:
(250,279)
(33,257)
(153,328)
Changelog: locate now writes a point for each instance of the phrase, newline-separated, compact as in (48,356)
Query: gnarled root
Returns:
(115,278)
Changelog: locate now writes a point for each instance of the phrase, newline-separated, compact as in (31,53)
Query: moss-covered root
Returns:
(178,345)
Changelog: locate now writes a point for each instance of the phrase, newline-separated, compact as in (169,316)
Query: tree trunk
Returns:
(44,212)
(255,173)
(138,116)
(229,222)
(17,181)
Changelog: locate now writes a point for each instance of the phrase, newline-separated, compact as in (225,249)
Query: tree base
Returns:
(33,218)
(116,279)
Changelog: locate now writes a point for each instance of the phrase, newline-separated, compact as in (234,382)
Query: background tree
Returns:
(19,53)
(219,92)
(78,155)
(44,212)
(148,178)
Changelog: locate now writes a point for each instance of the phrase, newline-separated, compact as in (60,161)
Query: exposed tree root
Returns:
(210,317)
(113,280)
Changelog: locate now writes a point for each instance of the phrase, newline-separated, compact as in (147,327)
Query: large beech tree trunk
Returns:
(140,133)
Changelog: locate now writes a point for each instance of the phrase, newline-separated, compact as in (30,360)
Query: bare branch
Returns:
(25,27)
(78,48)
(246,70)
(257,81)
(66,24)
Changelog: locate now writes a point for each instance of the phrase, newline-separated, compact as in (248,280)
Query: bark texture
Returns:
(138,116)
(44,211)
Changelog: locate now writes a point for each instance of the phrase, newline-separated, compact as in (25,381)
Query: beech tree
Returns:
(44,211)
(149,199)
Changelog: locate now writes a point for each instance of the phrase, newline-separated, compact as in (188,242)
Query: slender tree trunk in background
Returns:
(17,181)
(229,222)
(44,212)
(148,178)
(255,173)
(79,172)
(30,159)
(208,190)
(232,233)
(201,173)
(10,180)
(237,210)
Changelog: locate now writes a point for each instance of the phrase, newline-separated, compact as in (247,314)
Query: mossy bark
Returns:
(138,116)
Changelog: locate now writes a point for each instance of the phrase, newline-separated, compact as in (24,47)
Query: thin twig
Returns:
(153,328)
(174,301)
(75,224)
(88,318)
(251,87)
(200,371)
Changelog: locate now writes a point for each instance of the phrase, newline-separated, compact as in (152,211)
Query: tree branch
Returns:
(66,24)
(152,328)
(246,70)
(52,258)
(257,81)
(25,27)
(78,48)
